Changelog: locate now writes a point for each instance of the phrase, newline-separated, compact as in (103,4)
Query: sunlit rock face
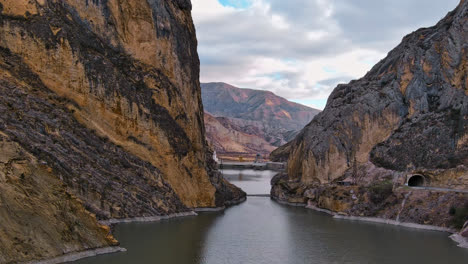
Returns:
(104,94)
(408,113)
(407,116)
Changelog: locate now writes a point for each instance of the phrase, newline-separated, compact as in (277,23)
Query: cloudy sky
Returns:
(301,49)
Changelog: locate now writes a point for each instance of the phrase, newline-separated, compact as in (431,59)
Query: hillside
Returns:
(407,117)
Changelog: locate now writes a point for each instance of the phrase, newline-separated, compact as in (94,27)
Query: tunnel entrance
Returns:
(416,181)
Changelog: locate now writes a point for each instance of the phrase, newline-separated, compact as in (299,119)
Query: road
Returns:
(439,189)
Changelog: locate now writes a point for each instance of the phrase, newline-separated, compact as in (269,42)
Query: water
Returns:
(262,231)
(251,181)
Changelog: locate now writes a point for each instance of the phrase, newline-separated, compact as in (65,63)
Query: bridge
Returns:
(258,195)
(274,166)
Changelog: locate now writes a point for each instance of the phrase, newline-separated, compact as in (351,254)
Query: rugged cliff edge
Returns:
(101,118)
(406,117)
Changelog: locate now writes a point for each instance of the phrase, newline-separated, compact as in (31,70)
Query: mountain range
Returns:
(247,121)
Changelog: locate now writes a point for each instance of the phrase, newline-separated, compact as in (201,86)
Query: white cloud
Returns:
(301,49)
(279,22)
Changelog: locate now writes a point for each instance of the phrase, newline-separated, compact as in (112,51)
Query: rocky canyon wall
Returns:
(103,97)
(408,115)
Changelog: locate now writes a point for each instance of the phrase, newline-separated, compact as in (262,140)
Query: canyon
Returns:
(104,120)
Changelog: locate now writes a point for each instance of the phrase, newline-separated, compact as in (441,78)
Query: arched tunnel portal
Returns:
(416,180)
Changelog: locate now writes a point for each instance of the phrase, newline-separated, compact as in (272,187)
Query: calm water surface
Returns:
(251,181)
(262,231)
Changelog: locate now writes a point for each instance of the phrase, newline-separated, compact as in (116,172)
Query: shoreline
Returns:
(461,241)
(146,219)
(222,208)
(74,256)
(209,209)
(395,223)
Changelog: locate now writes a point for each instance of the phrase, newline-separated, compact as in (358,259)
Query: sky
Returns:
(301,49)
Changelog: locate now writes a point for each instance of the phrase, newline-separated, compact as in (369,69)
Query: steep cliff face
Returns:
(131,70)
(408,115)
(104,95)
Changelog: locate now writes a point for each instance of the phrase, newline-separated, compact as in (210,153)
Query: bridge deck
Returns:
(258,195)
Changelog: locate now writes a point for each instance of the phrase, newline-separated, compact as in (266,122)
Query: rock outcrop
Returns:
(101,112)
(261,114)
(407,116)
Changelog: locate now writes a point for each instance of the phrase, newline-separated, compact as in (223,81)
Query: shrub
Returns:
(452,210)
(380,191)
(459,217)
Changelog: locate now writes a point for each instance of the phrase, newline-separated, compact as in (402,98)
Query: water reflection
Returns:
(261,231)
(251,181)
(250,233)
(179,240)
(332,240)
